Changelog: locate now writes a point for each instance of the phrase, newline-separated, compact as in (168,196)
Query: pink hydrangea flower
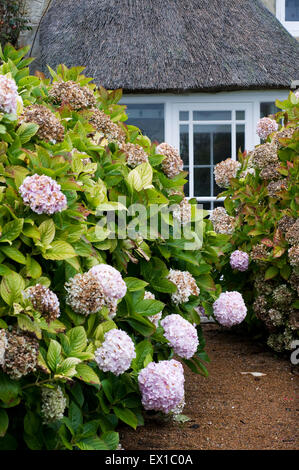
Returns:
(239,260)
(230,309)
(42,194)
(8,95)
(162,386)
(116,353)
(181,335)
(112,283)
(265,127)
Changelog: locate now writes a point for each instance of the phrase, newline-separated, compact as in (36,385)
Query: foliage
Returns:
(263,199)
(12,20)
(51,249)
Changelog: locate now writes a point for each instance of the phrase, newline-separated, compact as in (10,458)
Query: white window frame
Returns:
(246,107)
(291,26)
(210,101)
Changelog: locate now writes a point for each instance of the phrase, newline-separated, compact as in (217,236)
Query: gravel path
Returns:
(230,410)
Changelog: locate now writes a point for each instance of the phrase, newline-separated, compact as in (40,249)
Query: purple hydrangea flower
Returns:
(162,385)
(265,127)
(8,95)
(229,308)
(181,335)
(239,260)
(42,194)
(112,283)
(116,353)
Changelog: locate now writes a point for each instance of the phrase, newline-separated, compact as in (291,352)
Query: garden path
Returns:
(230,410)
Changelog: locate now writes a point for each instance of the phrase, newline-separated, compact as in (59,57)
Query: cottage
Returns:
(195,73)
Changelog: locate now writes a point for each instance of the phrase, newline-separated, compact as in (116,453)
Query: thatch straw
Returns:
(171,45)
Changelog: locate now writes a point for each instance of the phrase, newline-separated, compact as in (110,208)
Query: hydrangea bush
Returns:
(261,215)
(83,312)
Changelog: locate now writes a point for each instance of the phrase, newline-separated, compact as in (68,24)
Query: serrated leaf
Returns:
(92,443)
(26,324)
(60,250)
(9,389)
(47,232)
(11,288)
(14,254)
(68,367)
(54,355)
(271,272)
(126,415)
(134,284)
(77,338)
(141,177)
(11,230)
(26,131)
(87,374)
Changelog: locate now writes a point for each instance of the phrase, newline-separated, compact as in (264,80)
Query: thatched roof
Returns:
(171,45)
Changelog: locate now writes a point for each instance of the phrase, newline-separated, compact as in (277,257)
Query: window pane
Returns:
(240,138)
(184,115)
(292,10)
(240,115)
(212,115)
(149,118)
(202,145)
(184,151)
(222,143)
(268,108)
(202,182)
(212,143)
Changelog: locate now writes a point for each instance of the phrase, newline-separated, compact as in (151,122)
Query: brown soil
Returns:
(229,410)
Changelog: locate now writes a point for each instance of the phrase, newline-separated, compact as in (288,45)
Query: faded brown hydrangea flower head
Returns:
(50,128)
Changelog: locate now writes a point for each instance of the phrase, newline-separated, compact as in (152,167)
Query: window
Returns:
(149,118)
(206,138)
(291,10)
(287,11)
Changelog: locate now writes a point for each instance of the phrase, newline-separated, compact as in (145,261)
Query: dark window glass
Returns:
(212,115)
(212,143)
(240,138)
(202,182)
(292,10)
(149,118)
(184,115)
(240,115)
(268,108)
(184,151)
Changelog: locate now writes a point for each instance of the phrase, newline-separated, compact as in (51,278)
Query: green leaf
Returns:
(68,367)
(87,374)
(206,283)
(14,254)
(54,355)
(148,307)
(271,272)
(3,422)
(78,339)
(141,177)
(12,230)
(11,288)
(26,131)
(108,389)
(126,415)
(47,232)
(75,416)
(111,438)
(142,349)
(33,268)
(92,443)
(9,389)
(60,250)
(134,284)
(26,324)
